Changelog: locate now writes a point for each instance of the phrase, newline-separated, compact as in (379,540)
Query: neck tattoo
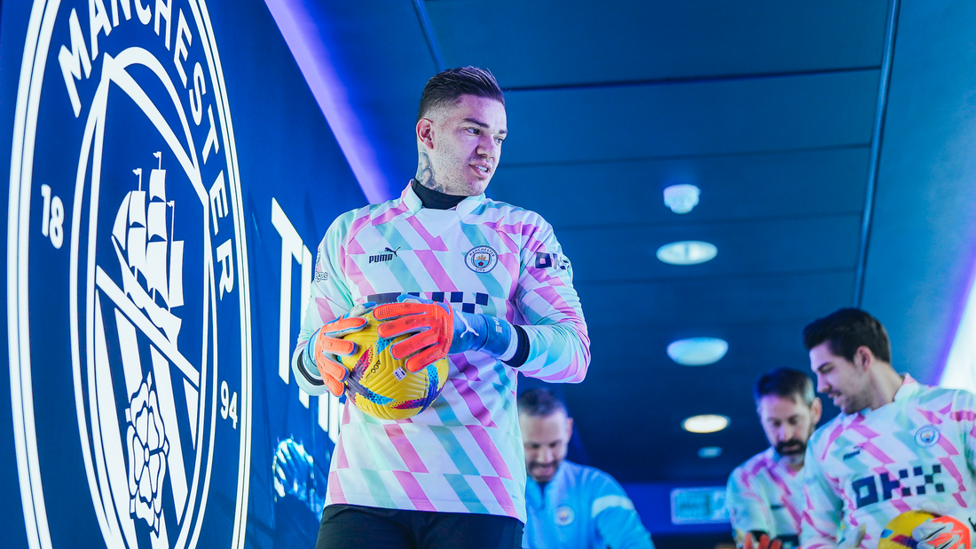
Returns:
(425,173)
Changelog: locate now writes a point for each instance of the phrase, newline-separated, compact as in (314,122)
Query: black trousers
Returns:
(354,527)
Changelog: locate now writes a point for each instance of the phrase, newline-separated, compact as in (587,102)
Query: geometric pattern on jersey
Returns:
(465,301)
(870,466)
(463,454)
(764,494)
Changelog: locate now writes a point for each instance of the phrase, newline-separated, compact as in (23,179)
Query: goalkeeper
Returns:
(479,281)
(897,445)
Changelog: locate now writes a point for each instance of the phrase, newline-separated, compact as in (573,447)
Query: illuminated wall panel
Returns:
(960,368)
(170,176)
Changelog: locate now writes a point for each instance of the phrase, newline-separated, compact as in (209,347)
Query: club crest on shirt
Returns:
(927,436)
(481,259)
(564,515)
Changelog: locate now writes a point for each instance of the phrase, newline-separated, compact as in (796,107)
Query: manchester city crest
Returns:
(927,436)
(481,259)
(564,515)
(129,324)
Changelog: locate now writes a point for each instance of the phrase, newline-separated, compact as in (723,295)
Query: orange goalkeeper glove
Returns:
(319,363)
(764,542)
(439,331)
(432,325)
(947,530)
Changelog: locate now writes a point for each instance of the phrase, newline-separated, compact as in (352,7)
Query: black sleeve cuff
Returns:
(521,349)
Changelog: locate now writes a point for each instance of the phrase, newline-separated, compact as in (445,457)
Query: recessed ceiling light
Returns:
(687,252)
(698,351)
(706,423)
(709,452)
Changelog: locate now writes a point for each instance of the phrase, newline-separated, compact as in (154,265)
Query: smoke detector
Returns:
(681,198)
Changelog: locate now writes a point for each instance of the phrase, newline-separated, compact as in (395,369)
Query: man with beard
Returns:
(897,445)
(765,494)
(569,506)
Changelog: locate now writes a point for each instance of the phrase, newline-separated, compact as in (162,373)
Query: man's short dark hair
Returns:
(785,383)
(847,329)
(447,87)
(540,403)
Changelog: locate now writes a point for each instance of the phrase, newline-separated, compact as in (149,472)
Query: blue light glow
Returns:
(960,367)
(302,37)
(708,452)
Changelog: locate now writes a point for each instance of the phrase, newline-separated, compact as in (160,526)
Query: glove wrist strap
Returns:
(488,334)
(500,339)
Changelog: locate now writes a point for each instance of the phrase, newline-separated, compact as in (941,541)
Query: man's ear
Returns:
(816,410)
(425,132)
(863,357)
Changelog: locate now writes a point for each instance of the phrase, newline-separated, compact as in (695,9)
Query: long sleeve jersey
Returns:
(764,494)
(464,454)
(868,467)
(582,508)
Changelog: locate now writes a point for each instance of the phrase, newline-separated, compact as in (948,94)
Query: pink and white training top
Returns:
(464,454)
(870,466)
(764,494)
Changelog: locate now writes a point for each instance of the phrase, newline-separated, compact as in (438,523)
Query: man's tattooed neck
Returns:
(433,199)
(425,173)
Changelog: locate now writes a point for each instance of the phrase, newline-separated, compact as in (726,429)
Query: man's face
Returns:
(545,440)
(845,382)
(788,423)
(462,145)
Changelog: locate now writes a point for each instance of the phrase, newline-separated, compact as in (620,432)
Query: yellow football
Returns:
(380,385)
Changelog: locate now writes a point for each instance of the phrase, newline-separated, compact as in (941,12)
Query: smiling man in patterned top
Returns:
(898,445)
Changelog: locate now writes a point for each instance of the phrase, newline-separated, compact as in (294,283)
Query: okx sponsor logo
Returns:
(128,314)
(918,481)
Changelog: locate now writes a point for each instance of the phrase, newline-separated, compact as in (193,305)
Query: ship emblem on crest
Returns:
(151,265)
(137,325)
(151,261)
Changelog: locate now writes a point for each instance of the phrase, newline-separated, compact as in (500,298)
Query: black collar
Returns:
(435,200)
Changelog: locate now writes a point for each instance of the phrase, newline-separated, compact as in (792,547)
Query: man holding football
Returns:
(897,445)
(479,281)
